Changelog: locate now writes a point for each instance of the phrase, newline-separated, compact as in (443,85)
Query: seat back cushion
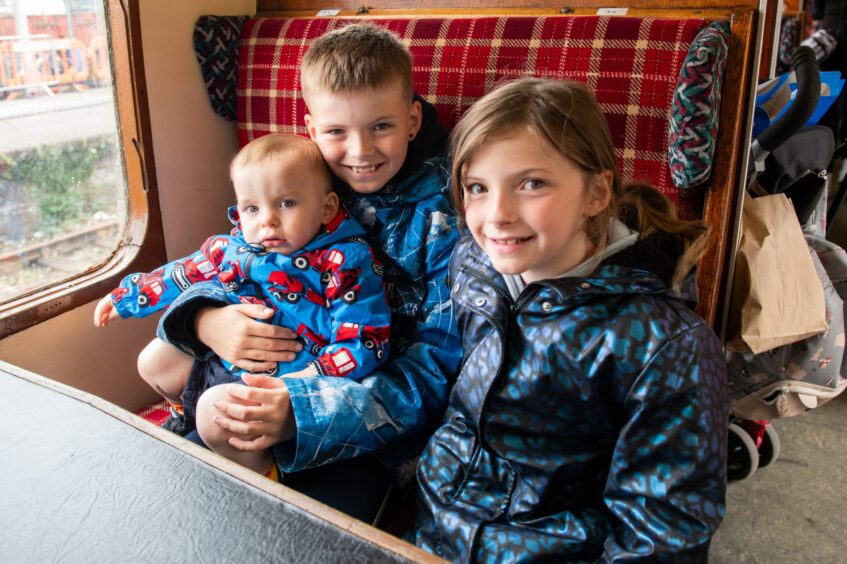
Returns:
(632,64)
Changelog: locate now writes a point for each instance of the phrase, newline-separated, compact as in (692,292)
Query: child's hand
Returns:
(262,409)
(233,333)
(104,312)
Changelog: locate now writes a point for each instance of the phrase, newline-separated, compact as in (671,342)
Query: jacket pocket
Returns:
(446,463)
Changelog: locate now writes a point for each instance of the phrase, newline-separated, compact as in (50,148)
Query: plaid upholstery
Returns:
(156,413)
(632,64)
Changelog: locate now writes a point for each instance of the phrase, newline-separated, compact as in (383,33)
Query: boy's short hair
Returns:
(284,148)
(355,57)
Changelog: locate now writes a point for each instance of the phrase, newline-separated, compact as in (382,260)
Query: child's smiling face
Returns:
(526,205)
(281,205)
(364,134)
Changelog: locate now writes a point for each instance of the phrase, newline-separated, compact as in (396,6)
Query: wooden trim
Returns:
(280,491)
(722,206)
(483,12)
(142,246)
(770,41)
(265,7)
(793,7)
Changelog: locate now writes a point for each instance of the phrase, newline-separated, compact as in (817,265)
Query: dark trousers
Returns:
(356,486)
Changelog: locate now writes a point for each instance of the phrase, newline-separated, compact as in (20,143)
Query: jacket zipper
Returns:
(255,288)
(500,326)
(482,277)
(526,297)
(514,307)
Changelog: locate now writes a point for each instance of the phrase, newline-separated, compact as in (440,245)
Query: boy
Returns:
(294,250)
(387,154)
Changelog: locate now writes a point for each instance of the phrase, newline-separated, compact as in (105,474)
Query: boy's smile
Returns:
(364,134)
(526,205)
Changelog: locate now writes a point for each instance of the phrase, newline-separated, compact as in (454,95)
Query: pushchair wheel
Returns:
(769,447)
(742,457)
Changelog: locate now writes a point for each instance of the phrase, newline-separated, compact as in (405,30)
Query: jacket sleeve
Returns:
(667,479)
(360,320)
(339,418)
(176,326)
(142,294)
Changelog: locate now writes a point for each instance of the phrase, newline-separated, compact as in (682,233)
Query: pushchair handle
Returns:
(806,69)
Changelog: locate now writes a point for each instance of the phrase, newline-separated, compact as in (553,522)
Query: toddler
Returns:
(293,250)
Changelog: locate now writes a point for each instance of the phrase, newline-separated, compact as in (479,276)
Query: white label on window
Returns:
(328,13)
(612,11)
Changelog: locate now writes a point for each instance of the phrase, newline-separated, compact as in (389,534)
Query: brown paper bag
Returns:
(777,297)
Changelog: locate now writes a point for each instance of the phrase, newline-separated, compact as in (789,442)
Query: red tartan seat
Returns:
(631,63)
(156,413)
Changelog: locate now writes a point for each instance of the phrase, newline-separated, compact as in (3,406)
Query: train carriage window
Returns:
(78,205)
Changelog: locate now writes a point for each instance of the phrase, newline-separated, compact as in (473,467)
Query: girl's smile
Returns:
(509,245)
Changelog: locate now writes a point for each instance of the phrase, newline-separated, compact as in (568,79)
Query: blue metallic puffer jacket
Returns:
(588,422)
(411,227)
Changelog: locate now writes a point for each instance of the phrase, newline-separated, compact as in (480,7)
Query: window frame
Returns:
(142,245)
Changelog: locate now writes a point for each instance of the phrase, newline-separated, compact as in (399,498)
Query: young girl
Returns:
(589,419)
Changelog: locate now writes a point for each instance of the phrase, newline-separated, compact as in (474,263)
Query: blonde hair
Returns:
(358,56)
(283,149)
(566,115)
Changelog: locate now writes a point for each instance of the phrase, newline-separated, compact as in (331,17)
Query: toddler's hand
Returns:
(104,312)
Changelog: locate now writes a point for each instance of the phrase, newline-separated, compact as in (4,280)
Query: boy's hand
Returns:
(233,334)
(262,409)
(104,312)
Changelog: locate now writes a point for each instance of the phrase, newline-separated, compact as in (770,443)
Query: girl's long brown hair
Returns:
(566,114)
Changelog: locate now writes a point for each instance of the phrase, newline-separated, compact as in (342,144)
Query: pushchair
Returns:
(791,379)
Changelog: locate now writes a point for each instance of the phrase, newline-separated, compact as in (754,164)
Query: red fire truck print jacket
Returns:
(330,292)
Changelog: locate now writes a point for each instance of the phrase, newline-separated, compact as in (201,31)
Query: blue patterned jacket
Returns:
(588,421)
(329,292)
(411,227)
